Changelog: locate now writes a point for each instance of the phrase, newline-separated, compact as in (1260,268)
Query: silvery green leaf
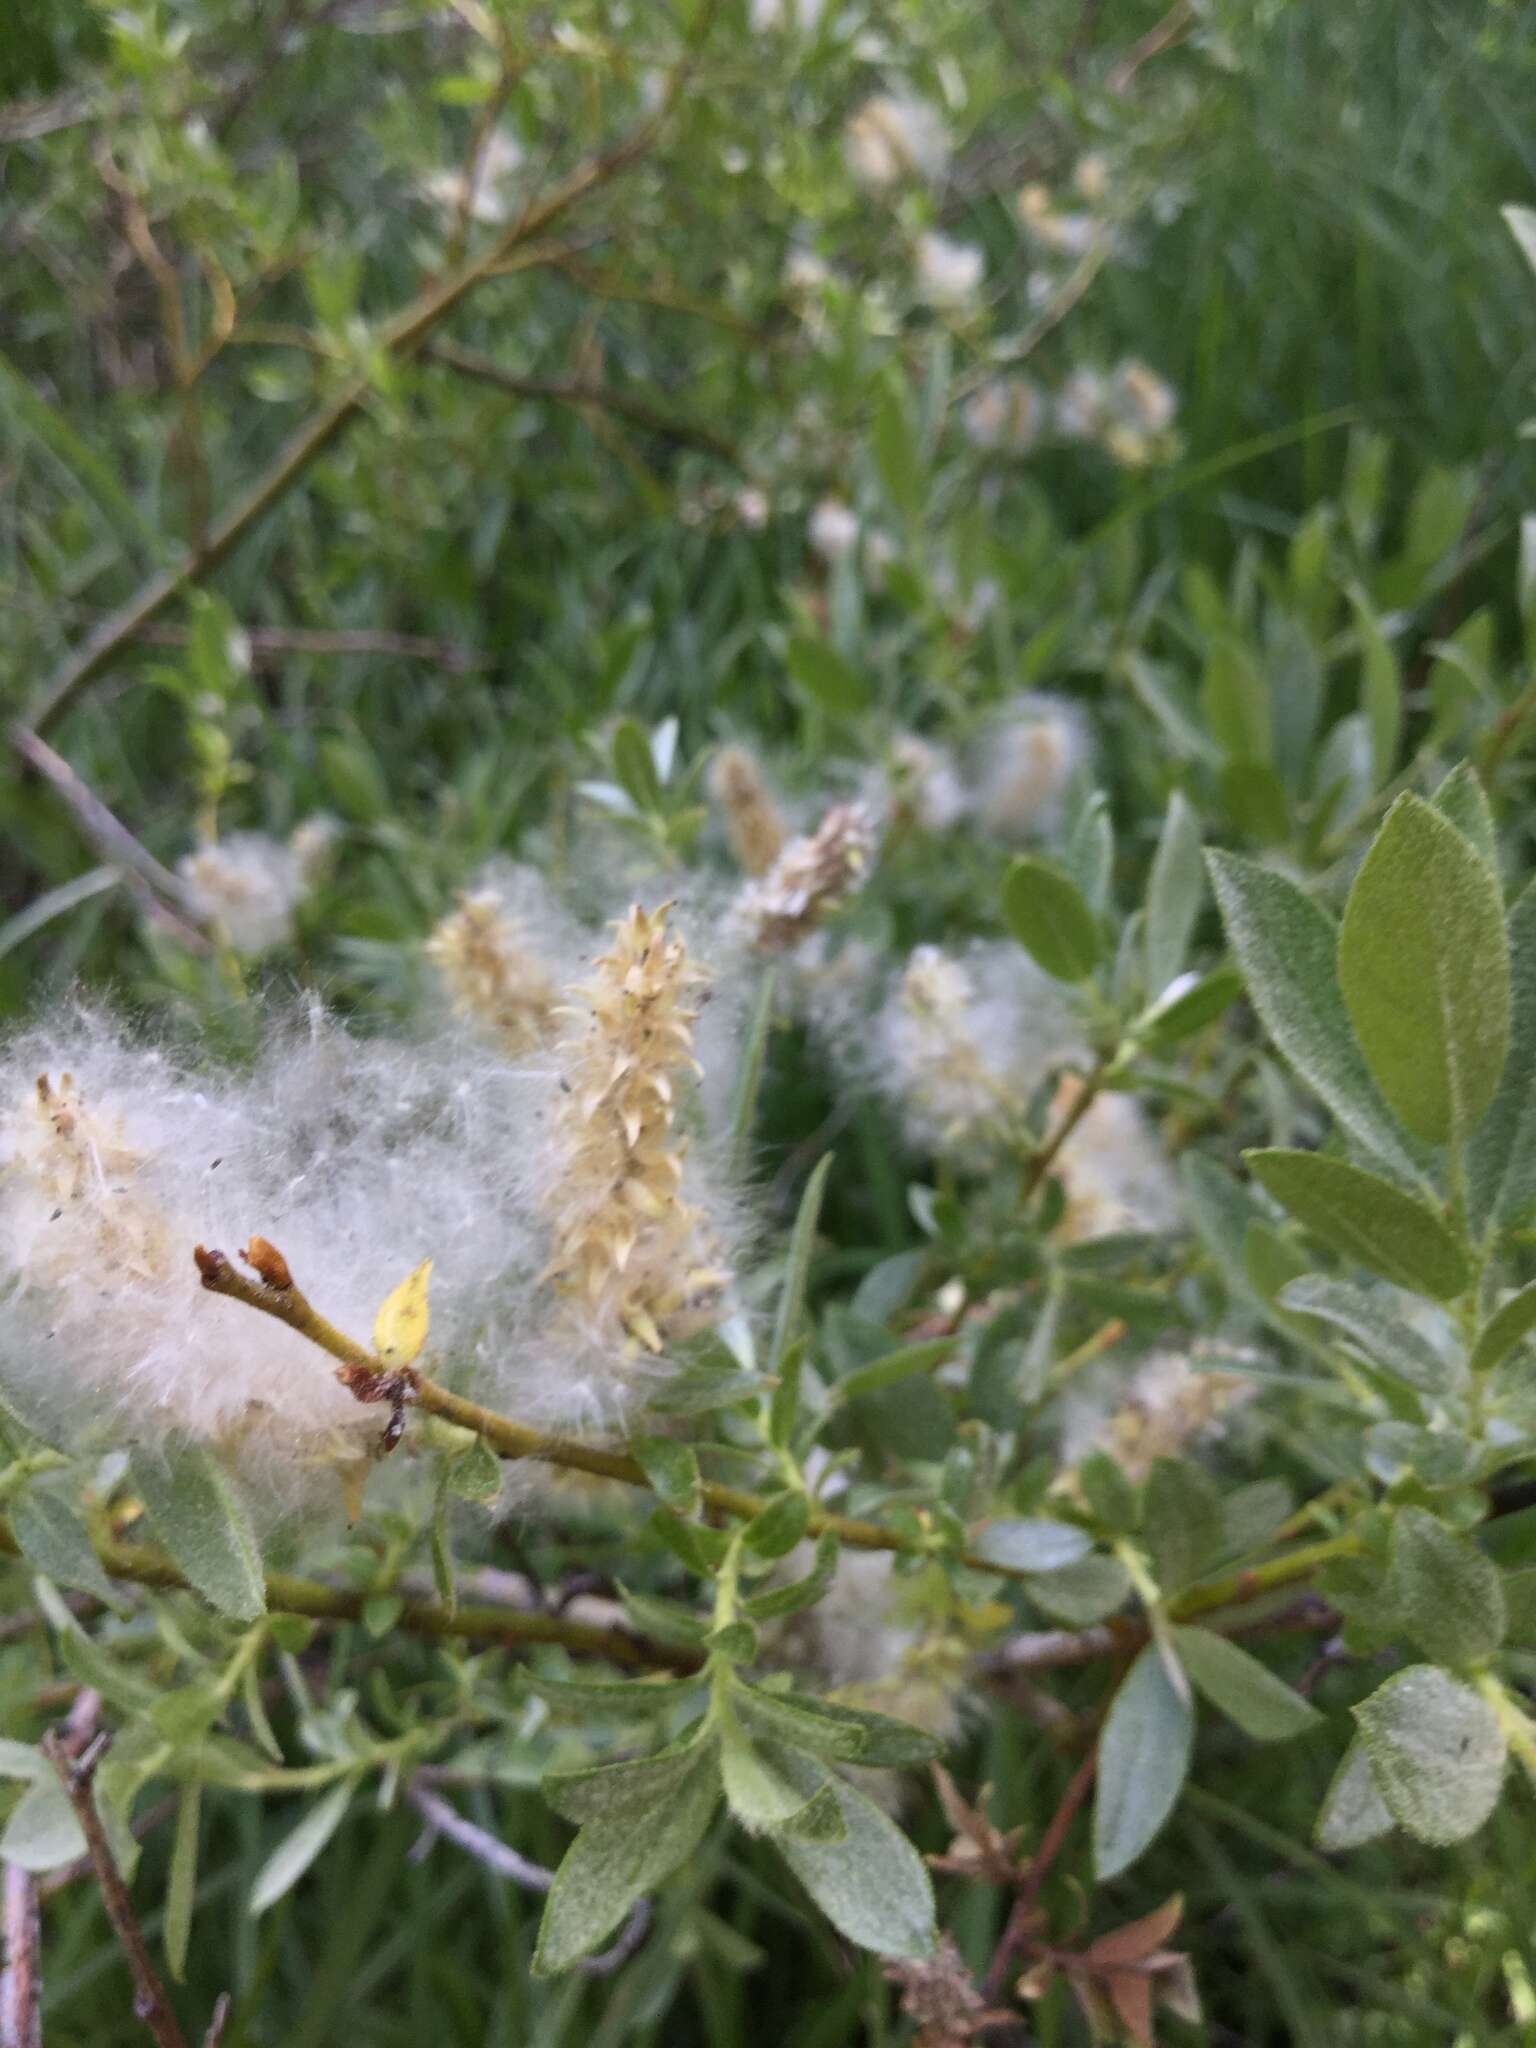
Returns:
(53,1536)
(196,1511)
(618,1856)
(1174,894)
(1447,1593)
(872,1885)
(1424,971)
(298,1850)
(1436,1751)
(1286,946)
(1501,1159)
(1462,798)
(1245,1690)
(1032,1544)
(42,1832)
(1143,1761)
(1353,1811)
(1370,1323)
(1369,1220)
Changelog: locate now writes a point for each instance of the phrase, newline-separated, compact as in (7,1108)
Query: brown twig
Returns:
(1044,1158)
(581,394)
(21,1981)
(1022,1920)
(111,838)
(399,338)
(75,1774)
(271,643)
(1175,25)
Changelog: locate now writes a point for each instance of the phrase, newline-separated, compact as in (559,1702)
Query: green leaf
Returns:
(1449,1598)
(1234,701)
(1505,1328)
(1050,918)
(1436,1751)
(839,1733)
(665,1621)
(1462,799)
(1028,1545)
(1424,970)
(181,1892)
(1186,1006)
(618,1857)
(354,779)
(634,768)
(1374,1328)
(872,1885)
(778,1601)
(624,1790)
(896,1365)
(196,1511)
(1173,894)
(1501,1159)
(671,1467)
(763,1788)
(51,429)
(1143,1760)
(1082,1593)
(1367,1219)
(1286,947)
(826,677)
(42,1832)
(1381,693)
(1242,1688)
(893,444)
(749,1074)
(53,1536)
(779,1526)
(1353,1811)
(298,1850)
(1182,1523)
(802,1242)
(475,1474)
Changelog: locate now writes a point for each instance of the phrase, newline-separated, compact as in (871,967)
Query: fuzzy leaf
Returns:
(1048,915)
(762,1790)
(779,1526)
(840,1733)
(1143,1760)
(872,1885)
(1082,1593)
(181,1892)
(778,1601)
(400,1327)
(621,1791)
(1182,1524)
(671,1467)
(1462,798)
(618,1857)
(1437,1753)
(1174,894)
(53,1536)
(802,1242)
(1501,1159)
(826,677)
(42,1832)
(298,1850)
(1370,1324)
(1424,970)
(626,1697)
(196,1511)
(1032,1545)
(1353,1811)
(1286,946)
(1367,1219)
(1511,1322)
(1245,1690)
(1448,1596)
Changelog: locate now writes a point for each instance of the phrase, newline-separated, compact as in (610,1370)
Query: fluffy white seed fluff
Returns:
(1167,1406)
(250,884)
(1005,415)
(489,197)
(964,1041)
(356,1159)
(1036,748)
(1115,1171)
(946,272)
(893,137)
(833,529)
(813,876)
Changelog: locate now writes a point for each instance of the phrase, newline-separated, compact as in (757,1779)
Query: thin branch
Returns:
(1022,1920)
(485,370)
(21,1981)
(399,338)
(270,643)
(1045,1157)
(146,1565)
(500,1857)
(75,1774)
(109,836)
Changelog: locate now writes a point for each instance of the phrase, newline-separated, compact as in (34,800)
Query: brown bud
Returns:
(212,1265)
(269,1264)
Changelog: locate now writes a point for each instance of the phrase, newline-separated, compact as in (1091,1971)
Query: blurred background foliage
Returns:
(592,493)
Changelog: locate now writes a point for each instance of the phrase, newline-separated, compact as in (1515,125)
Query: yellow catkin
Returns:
(629,1252)
(751,816)
(492,974)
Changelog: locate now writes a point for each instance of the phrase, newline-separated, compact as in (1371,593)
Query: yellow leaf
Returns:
(400,1327)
